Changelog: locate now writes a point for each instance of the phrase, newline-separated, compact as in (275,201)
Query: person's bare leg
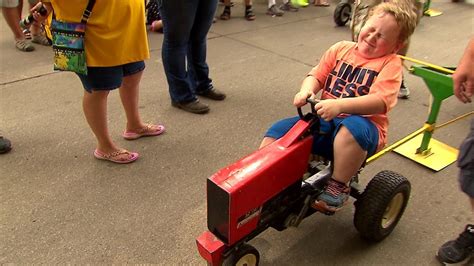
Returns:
(35,27)
(129,94)
(226,13)
(95,110)
(266,141)
(472,203)
(348,156)
(12,17)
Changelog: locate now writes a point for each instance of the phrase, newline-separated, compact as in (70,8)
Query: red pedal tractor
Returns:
(274,187)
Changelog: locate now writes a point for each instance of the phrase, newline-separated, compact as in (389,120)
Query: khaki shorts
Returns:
(14,3)
(466,163)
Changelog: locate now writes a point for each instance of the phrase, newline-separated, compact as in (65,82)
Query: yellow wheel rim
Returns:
(392,210)
(247,260)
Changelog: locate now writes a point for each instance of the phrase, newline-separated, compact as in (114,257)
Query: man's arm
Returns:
(463,77)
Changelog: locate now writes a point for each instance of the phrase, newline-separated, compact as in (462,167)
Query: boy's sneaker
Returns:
(275,11)
(288,7)
(333,198)
(458,250)
(404,92)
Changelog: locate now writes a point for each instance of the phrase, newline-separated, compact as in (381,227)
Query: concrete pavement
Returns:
(60,205)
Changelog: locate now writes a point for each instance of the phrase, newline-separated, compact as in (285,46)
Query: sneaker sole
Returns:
(463,262)
(321,206)
(202,111)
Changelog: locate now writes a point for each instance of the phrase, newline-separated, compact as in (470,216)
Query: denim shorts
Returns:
(108,78)
(466,163)
(363,130)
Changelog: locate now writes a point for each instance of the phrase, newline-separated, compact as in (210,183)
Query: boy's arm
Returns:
(380,99)
(315,79)
(363,105)
(309,87)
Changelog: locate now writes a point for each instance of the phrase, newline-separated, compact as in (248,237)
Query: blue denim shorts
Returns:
(363,130)
(466,163)
(108,78)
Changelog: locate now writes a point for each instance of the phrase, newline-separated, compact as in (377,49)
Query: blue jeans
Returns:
(185,27)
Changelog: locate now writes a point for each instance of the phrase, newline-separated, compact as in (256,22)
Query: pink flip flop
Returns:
(115,156)
(147,131)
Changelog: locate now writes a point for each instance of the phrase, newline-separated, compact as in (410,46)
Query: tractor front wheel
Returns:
(245,255)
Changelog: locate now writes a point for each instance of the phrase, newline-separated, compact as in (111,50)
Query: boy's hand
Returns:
(300,98)
(328,109)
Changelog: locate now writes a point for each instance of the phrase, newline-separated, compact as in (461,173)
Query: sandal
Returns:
(24,46)
(40,39)
(117,156)
(249,15)
(27,34)
(147,131)
(226,13)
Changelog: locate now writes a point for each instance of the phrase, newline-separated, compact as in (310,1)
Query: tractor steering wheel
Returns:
(312,102)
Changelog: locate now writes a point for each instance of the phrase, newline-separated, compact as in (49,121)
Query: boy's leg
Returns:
(355,138)
(278,130)
(348,156)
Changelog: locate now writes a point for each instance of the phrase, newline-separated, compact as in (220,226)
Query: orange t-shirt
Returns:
(344,73)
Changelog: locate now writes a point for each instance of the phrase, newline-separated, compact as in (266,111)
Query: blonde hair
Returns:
(404,14)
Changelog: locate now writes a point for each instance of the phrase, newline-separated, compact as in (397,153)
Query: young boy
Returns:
(359,17)
(359,84)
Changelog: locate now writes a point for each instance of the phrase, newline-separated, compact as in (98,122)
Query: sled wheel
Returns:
(342,14)
(381,205)
(245,255)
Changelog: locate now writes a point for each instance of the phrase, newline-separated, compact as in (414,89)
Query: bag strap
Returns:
(87,13)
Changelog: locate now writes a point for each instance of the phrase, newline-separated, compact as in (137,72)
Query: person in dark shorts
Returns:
(110,68)
(461,249)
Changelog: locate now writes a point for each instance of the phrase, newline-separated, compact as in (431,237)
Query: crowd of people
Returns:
(355,116)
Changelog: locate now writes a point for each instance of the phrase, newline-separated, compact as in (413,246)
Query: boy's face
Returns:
(379,37)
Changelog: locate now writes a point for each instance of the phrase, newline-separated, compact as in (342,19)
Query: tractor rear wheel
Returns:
(381,205)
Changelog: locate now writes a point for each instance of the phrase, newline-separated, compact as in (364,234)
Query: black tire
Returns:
(381,205)
(342,14)
(245,255)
